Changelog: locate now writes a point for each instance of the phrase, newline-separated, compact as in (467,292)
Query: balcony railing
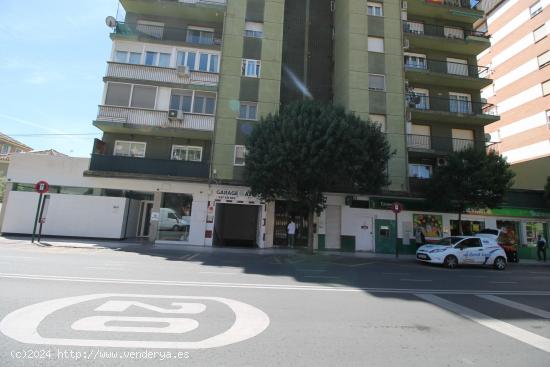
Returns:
(466,4)
(155,118)
(453,105)
(165,33)
(203,2)
(451,32)
(442,144)
(448,67)
(160,74)
(163,167)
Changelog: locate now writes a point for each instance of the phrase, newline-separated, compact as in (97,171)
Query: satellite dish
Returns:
(488,137)
(110,21)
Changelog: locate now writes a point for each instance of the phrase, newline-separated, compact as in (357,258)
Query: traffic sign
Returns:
(42,187)
(397,207)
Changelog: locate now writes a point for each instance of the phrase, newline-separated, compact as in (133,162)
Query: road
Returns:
(69,307)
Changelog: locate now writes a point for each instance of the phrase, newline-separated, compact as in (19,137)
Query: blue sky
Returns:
(52,61)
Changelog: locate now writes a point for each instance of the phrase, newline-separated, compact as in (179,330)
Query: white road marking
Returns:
(99,323)
(218,273)
(416,280)
(518,306)
(504,282)
(22,324)
(265,285)
(192,257)
(401,274)
(502,327)
(321,276)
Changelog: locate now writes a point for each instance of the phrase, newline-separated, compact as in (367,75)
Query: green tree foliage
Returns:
(547,192)
(309,148)
(473,179)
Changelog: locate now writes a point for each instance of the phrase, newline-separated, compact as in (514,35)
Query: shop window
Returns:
(532,230)
(509,232)
(175,217)
(469,228)
(431,225)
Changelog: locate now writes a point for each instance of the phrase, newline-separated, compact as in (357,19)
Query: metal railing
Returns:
(451,32)
(460,106)
(164,167)
(160,74)
(466,4)
(202,2)
(441,144)
(448,67)
(155,118)
(166,33)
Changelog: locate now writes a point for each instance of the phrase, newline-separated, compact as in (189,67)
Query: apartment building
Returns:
(8,146)
(187,80)
(518,60)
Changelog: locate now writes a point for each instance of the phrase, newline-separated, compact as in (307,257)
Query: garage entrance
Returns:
(236,225)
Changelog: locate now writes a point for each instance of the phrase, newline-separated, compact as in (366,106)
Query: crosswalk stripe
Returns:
(518,306)
(502,327)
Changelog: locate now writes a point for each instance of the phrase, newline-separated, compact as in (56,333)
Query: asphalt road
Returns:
(69,307)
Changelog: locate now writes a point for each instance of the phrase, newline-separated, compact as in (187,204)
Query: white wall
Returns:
(68,215)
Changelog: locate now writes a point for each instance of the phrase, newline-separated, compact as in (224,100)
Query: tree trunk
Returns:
(310,215)
(460,223)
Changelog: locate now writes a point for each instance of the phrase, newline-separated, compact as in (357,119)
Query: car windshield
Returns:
(448,241)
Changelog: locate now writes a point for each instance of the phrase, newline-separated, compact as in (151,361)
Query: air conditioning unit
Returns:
(441,161)
(406,44)
(183,70)
(173,114)
(404,5)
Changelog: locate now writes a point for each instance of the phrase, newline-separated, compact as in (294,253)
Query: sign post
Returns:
(41,187)
(396,208)
(43,214)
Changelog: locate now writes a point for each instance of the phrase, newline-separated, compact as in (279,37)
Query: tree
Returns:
(547,192)
(309,148)
(473,179)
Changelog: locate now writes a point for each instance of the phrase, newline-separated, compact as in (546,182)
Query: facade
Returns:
(8,146)
(518,59)
(187,81)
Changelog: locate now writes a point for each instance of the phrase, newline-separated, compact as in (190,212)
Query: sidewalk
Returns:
(144,246)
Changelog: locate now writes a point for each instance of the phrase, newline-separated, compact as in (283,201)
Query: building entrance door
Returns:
(385,236)
(145,209)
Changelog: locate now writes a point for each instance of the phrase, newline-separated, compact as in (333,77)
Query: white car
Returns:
(456,250)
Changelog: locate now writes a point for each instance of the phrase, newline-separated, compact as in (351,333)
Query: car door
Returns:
(472,251)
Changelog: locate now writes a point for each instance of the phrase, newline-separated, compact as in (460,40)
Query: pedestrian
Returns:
(419,237)
(291,232)
(541,248)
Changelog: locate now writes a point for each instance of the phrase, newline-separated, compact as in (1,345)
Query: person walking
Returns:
(541,248)
(420,239)
(291,232)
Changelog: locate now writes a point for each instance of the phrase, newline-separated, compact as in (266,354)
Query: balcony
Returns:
(197,10)
(455,10)
(446,73)
(101,165)
(135,72)
(440,144)
(451,110)
(445,38)
(164,34)
(153,122)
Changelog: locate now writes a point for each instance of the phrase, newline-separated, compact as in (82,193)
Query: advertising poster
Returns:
(431,225)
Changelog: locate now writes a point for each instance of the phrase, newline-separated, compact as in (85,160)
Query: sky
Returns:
(52,60)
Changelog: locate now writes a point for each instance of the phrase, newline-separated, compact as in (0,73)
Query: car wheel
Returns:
(451,262)
(500,263)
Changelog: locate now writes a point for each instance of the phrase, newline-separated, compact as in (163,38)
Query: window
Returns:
(151,58)
(462,139)
(376,44)
(421,171)
(204,104)
(240,154)
(253,29)
(248,111)
(157,59)
(144,96)
(127,57)
(186,153)
(181,101)
(535,9)
(539,33)
(129,148)
(5,149)
(206,62)
(153,29)
(203,36)
(548,118)
(546,88)
(374,9)
(213,64)
(414,27)
(416,61)
(543,59)
(377,82)
(379,120)
(251,68)
(118,94)
(460,103)
(420,98)
(453,32)
(164,60)
(457,66)
(469,242)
